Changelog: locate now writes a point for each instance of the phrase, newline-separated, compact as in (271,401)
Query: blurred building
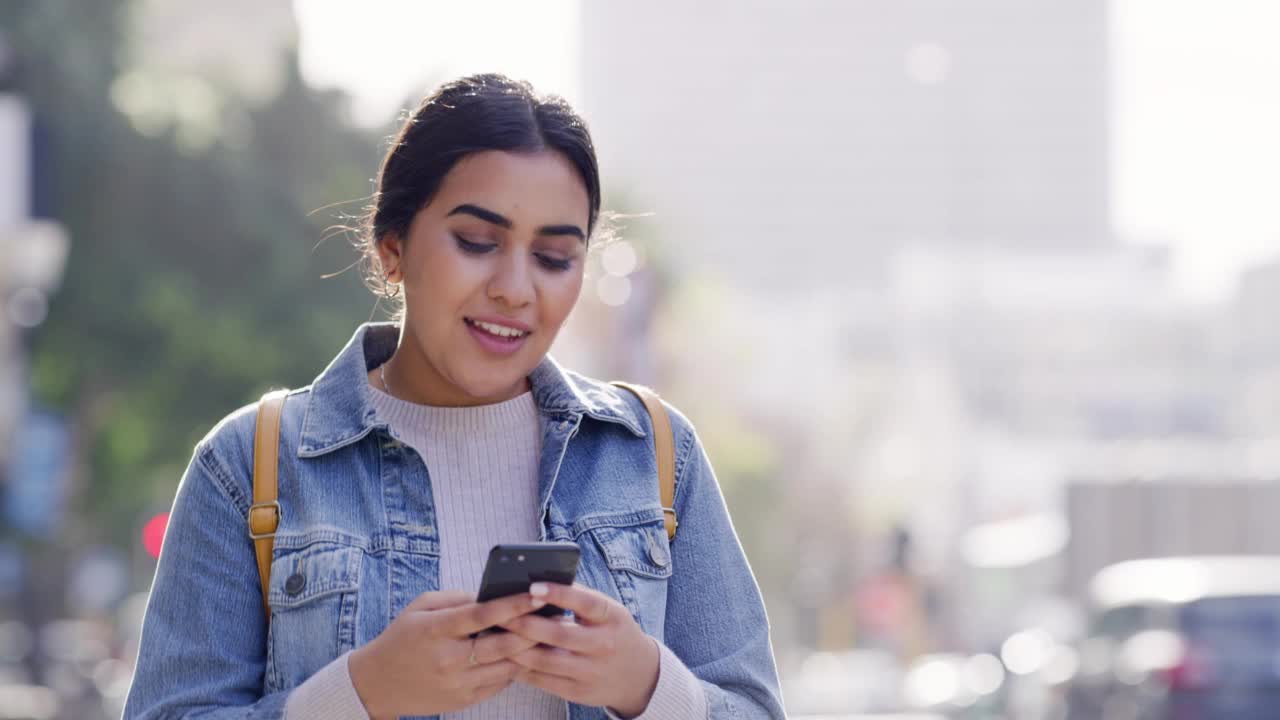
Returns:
(33,252)
(905,203)
(1034,384)
(793,144)
(1194,514)
(804,153)
(1256,351)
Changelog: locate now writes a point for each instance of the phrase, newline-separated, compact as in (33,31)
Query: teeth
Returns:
(499,330)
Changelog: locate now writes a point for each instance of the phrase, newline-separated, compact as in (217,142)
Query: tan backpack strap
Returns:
(264,513)
(664,445)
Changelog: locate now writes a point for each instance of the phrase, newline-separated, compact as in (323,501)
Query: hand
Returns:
(602,659)
(422,663)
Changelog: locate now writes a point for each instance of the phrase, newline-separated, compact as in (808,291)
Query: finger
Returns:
(474,617)
(439,600)
(495,673)
(562,687)
(582,639)
(554,661)
(589,606)
(499,646)
(484,692)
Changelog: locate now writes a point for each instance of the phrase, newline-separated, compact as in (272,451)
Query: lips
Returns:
(496,338)
(498,329)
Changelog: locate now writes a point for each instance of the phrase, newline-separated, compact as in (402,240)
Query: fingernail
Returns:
(539,589)
(537,602)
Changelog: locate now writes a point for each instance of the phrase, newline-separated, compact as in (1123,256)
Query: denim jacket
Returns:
(357,542)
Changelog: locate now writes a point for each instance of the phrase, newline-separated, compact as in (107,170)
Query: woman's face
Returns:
(491,268)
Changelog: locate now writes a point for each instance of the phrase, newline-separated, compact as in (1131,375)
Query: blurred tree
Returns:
(195,279)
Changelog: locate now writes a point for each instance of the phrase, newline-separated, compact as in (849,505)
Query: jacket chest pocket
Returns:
(633,552)
(312,593)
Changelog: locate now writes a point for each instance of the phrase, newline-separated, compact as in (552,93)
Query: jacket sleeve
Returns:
(204,634)
(716,620)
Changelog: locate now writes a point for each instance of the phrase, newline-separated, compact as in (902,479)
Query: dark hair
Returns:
(469,115)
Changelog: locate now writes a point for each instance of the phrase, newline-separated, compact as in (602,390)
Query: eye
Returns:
(552,263)
(473,247)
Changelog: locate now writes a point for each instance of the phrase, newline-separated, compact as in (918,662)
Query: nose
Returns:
(512,281)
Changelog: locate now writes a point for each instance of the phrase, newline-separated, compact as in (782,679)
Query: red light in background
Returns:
(153,534)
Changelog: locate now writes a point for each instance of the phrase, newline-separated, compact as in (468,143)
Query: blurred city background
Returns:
(969,301)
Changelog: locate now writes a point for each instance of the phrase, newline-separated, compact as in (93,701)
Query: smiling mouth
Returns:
(499,332)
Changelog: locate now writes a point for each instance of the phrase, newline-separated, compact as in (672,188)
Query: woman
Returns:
(426,442)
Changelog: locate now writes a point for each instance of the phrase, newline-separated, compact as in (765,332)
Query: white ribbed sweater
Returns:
(483,464)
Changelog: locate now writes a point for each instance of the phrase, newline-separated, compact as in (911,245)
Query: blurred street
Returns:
(972,305)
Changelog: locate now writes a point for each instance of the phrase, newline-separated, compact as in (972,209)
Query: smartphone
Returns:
(511,569)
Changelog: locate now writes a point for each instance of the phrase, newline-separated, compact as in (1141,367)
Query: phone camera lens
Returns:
(503,558)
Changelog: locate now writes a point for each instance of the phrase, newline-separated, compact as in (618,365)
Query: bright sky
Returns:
(1195,116)
(1196,133)
(389,50)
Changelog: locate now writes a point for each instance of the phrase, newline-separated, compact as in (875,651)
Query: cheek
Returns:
(561,298)
(440,280)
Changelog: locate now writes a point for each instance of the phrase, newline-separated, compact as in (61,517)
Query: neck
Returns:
(413,379)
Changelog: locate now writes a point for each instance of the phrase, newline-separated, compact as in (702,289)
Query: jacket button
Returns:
(656,553)
(295,583)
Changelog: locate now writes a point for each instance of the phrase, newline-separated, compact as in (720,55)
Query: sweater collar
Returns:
(340,407)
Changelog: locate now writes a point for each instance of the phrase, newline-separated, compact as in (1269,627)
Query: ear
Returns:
(391,252)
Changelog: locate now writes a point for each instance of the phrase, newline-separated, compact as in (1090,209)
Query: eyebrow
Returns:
(494,218)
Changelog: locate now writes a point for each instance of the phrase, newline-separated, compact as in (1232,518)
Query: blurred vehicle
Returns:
(1040,661)
(954,685)
(876,716)
(1181,638)
(63,670)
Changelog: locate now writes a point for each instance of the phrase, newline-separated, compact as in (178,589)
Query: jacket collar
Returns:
(340,410)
